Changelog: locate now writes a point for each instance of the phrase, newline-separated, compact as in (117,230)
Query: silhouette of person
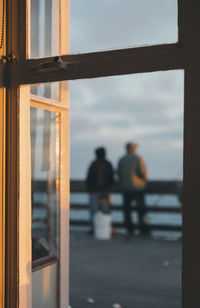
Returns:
(99,181)
(133,179)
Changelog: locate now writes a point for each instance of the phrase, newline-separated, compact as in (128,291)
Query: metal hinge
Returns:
(7,59)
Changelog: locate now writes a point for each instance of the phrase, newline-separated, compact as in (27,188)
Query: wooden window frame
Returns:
(2,200)
(2,183)
(183,55)
(63,255)
(18,199)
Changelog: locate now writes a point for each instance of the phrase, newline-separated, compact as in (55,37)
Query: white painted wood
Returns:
(64,47)
(64,210)
(24,201)
(65,164)
(39,101)
(62,106)
(45,287)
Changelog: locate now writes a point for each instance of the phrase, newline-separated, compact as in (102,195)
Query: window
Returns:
(40,119)
(45,143)
(112,24)
(21,71)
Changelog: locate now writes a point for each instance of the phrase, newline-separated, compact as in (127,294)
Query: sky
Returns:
(144,108)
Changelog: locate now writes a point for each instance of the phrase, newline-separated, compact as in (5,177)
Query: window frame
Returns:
(2,200)
(18,250)
(2,182)
(183,55)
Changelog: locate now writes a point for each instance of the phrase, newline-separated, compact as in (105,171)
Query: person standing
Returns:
(99,182)
(132,180)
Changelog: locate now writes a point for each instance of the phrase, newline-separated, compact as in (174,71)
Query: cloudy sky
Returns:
(146,108)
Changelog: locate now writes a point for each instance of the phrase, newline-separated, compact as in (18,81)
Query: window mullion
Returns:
(69,67)
(191,209)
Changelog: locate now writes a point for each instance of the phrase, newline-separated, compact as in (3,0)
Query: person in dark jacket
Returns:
(99,182)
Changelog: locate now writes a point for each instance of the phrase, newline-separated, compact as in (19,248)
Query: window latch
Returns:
(56,64)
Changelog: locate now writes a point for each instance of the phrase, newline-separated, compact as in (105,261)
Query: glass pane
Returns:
(47,90)
(45,40)
(110,112)
(45,182)
(102,25)
(144,108)
(44,28)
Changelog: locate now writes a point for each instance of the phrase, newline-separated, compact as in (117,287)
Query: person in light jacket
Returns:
(132,173)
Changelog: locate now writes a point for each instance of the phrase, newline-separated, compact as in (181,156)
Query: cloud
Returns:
(110,111)
(113,102)
(147,108)
(97,25)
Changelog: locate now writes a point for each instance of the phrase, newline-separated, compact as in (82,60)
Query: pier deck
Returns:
(140,273)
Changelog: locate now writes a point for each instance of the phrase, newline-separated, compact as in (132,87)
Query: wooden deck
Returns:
(140,273)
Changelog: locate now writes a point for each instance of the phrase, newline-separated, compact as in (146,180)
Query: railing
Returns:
(153,187)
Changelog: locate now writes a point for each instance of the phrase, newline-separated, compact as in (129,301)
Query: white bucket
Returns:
(102,226)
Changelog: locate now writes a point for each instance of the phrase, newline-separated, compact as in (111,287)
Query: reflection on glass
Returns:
(44,28)
(102,25)
(47,90)
(45,182)
(45,39)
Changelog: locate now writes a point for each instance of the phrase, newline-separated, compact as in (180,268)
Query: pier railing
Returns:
(153,187)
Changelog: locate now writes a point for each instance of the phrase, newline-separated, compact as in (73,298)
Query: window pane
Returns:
(44,28)
(45,40)
(102,25)
(142,108)
(47,90)
(45,182)
(110,112)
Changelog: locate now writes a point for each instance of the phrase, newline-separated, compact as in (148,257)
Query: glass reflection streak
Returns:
(45,40)
(45,154)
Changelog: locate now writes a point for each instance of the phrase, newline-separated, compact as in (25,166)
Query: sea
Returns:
(39,213)
(154,218)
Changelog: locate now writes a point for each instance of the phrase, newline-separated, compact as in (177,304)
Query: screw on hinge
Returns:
(11,58)
(3,59)
(7,59)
